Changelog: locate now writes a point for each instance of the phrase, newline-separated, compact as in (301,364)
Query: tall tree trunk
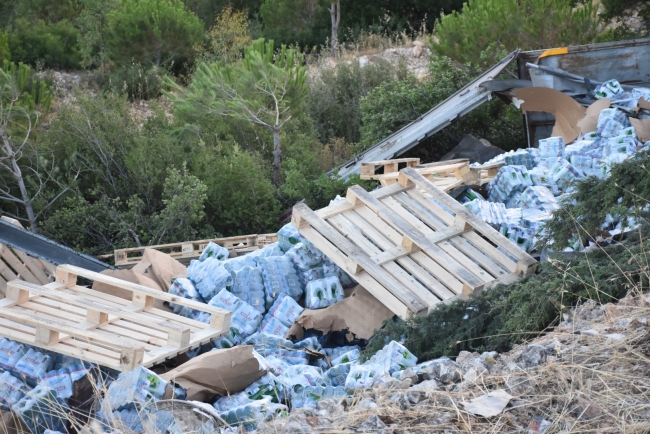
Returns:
(277,157)
(335,15)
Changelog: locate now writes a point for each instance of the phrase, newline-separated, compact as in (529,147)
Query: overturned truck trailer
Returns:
(571,70)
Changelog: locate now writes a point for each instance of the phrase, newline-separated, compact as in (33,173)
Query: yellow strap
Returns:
(554,52)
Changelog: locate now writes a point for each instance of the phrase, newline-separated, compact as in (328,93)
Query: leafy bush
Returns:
(152,31)
(241,198)
(48,45)
(226,39)
(335,95)
(136,81)
(499,318)
(527,24)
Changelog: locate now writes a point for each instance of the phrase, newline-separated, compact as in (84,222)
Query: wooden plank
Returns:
(525,263)
(13,261)
(177,334)
(365,279)
(220,319)
(449,219)
(394,269)
(34,266)
(6,272)
(407,229)
(419,264)
(303,215)
(130,355)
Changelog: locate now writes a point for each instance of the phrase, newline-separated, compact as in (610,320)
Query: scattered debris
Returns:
(488,405)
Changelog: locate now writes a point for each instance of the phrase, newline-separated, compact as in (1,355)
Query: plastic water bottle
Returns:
(10,353)
(33,366)
(11,390)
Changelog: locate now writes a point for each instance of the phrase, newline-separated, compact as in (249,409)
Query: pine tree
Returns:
(265,89)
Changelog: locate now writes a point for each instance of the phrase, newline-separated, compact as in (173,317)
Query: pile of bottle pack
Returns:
(532,183)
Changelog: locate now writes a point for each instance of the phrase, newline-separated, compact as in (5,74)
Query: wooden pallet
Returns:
(446,175)
(100,328)
(408,250)
(370,168)
(185,252)
(16,264)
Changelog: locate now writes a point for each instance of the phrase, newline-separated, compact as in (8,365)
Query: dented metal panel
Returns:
(626,61)
(454,107)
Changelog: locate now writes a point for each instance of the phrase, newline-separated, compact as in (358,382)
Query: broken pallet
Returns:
(186,251)
(100,328)
(446,175)
(412,245)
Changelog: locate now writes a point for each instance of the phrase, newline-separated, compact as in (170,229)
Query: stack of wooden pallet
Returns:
(188,250)
(412,245)
(446,175)
(101,328)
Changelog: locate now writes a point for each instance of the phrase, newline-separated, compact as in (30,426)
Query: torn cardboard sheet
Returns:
(643,104)
(129,276)
(567,111)
(590,122)
(488,405)
(160,267)
(219,372)
(361,314)
(641,128)
(10,423)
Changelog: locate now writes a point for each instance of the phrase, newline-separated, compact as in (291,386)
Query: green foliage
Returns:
(5,54)
(265,90)
(136,81)
(228,36)
(91,23)
(527,24)
(35,93)
(624,193)
(48,10)
(152,31)
(241,198)
(291,21)
(395,103)
(131,184)
(497,319)
(336,93)
(48,45)
(631,16)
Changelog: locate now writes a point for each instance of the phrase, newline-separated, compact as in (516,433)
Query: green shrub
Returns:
(135,81)
(5,54)
(527,24)
(48,45)
(499,318)
(335,95)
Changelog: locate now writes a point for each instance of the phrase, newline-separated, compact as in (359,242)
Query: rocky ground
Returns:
(590,374)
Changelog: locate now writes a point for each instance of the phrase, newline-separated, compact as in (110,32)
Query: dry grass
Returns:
(591,383)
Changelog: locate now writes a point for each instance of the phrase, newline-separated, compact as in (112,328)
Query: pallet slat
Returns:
(408,249)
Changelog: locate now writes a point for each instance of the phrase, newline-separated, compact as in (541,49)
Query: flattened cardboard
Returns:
(12,424)
(643,104)
(129,276)
(590,122)
(567,111)
(641,128)
(361,314)
(160,267)
(220,372)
